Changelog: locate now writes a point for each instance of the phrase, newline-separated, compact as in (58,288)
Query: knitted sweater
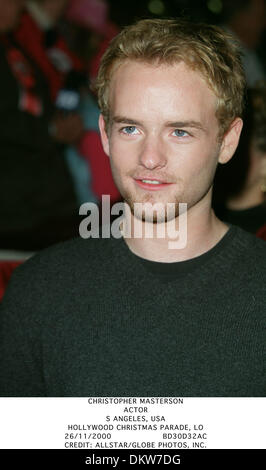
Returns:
(90,318)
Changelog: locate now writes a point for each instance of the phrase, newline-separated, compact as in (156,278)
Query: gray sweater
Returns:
(90,318)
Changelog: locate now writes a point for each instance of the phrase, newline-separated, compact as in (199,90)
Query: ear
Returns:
(104,136)
(230,141)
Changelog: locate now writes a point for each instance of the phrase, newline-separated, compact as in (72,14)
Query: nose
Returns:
(151,154)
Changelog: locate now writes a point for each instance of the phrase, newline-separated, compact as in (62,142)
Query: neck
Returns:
(203,232)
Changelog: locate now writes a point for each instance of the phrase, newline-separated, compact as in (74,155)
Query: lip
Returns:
(151,187)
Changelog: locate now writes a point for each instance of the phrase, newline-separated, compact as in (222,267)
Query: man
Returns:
(134,316)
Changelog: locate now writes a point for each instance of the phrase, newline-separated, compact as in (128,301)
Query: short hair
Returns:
(204,48)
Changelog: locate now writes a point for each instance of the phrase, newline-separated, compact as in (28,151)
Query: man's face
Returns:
(163,128)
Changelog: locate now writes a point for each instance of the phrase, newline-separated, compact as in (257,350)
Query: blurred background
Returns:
(210,11)
(51,156)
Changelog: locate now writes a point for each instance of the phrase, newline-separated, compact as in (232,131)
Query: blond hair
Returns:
(204,48)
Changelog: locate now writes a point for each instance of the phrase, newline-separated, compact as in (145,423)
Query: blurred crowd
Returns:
(239,195)
(51,155)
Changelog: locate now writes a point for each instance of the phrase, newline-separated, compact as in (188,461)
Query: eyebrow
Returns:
(176,124)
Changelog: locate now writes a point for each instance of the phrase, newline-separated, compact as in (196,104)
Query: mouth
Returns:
(151,184)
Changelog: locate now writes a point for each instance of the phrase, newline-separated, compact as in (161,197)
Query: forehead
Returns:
(160,90)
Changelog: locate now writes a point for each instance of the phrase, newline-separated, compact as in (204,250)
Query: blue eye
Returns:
(130,130)
(180,133)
